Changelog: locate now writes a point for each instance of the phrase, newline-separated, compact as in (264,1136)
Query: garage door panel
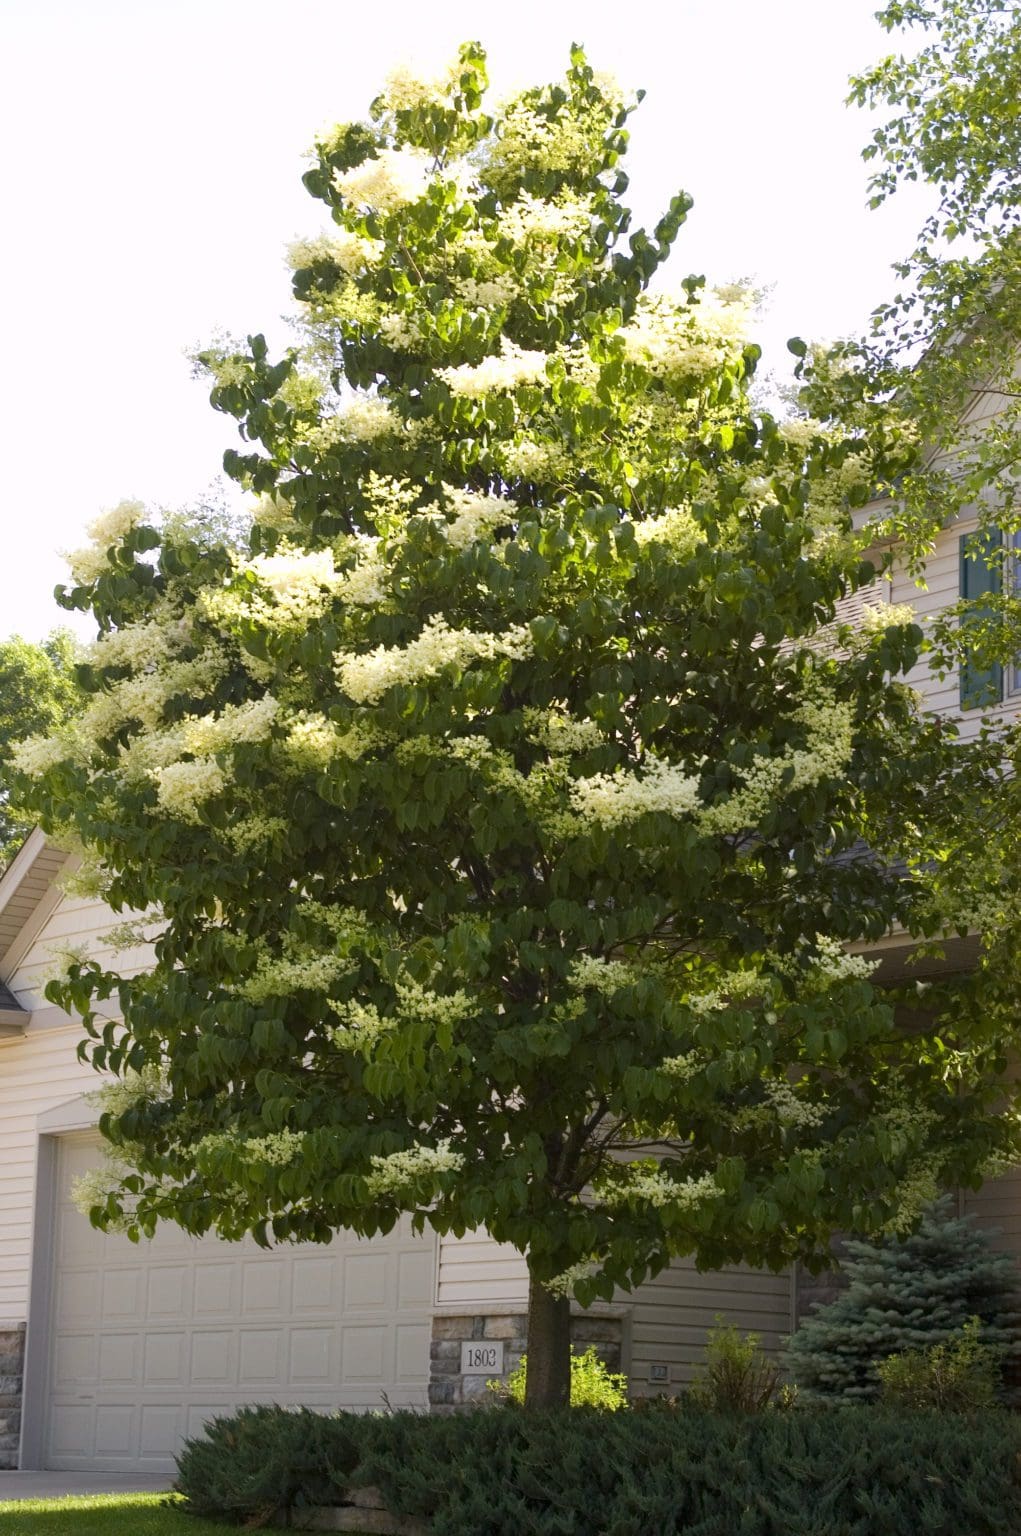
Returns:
(215,1290)
(259,1357)
(312,1356)
(166,1360)
(262,1287)
(122,1294)
(75,1359)
(363,1354)
(160,1431)
(149,1341)
(119,1359)
(168,1296)
(77,1296)
(415,1278)
(314,1286)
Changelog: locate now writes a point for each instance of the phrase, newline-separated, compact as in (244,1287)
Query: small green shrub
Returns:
(737,1376)
(958,1375)
(593,1384)
(905,1294)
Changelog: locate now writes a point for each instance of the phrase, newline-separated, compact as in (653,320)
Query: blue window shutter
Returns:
(980,686)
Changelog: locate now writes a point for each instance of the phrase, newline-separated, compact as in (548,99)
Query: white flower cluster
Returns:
(486,293)
(405,90)
(400,329)
(202,734)
(829,727)
(529,140)
(367,677)
(801,432)
(314,742)
(361,1025)
(505,370)
(684,342)
(399,1172)
(599,975)
(394,178)
(120,1094)
(534,220)
(530,460)
(294,575)
(833,963)
(560,732)
(923,1184)
(731,987)
(564,1283)
(144,698)
(658,1189)
(105,532)
(36,755)
(248,834)
(140,646)
(93,1187)
(684,1068)
(474,515)
(277,1150)
(351,253)
(675,528)
(299,970)
(789,1109)
(366,418)
(183,788)
(417,1002)
(614,799)
(878,617)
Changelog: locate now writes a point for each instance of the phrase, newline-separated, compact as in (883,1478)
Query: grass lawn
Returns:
(105,1514)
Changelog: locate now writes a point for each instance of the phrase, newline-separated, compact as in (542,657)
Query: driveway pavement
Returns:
(55,1485)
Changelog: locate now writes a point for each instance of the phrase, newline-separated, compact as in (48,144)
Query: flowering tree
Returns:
(504,805)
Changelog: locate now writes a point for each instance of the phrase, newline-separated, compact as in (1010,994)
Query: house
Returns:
(112,1352)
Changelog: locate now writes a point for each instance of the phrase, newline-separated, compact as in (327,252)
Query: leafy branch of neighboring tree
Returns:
(514,805)
(944,348)
(38,692)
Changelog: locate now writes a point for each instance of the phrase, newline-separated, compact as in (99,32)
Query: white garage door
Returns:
(150,1340)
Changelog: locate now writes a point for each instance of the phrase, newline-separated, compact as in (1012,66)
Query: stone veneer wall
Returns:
(12,1365)
(449,1390)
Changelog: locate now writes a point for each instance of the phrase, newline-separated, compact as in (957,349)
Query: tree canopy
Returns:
(37,692)
(513,806)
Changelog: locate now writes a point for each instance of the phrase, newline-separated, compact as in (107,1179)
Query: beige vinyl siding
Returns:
(997,1208)
(38,1071)
(76,923)
(671,1314)
(474,1268)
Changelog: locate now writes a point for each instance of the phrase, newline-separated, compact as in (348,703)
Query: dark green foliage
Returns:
(38,692)
(262,1459)
(585,1473)
(906,1294)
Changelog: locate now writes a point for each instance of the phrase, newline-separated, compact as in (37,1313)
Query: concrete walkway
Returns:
(56,1485)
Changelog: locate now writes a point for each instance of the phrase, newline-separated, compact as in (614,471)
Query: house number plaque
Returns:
(482,1357)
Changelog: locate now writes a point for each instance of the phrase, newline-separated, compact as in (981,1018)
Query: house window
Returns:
(982,576)
(1014,588)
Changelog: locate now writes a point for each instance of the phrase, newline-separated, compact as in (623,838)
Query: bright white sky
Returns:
(153,155)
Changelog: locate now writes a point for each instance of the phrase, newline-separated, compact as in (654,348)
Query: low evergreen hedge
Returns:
(661,1472)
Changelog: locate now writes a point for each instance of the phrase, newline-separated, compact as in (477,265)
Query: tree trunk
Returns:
(548,1373)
